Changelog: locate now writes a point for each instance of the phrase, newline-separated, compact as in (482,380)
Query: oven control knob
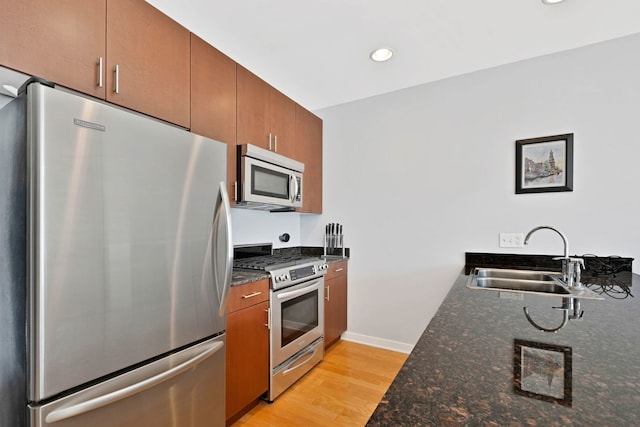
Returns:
(323,267)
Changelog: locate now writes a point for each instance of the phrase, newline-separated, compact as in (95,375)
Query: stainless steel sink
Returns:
(500,273)
(519,285)
(525,281)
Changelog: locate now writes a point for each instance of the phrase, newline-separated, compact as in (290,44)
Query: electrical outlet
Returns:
(511,240)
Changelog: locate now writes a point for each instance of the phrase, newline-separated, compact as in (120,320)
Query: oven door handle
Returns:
(298,362)
(298,292)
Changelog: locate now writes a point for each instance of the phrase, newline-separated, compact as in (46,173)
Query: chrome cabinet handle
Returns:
(116,72)
(268,324)
(269,141)
(339,270)
(327,297)
(255,294)
(100,72)
(276,143)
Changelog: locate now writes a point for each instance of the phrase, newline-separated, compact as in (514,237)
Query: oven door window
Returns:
(270,183)
(299,316)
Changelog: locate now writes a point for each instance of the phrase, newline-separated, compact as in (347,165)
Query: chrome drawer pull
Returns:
(255,294)
(339,269)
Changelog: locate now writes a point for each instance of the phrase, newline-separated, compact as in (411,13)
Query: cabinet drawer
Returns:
(336,269)
(246,295)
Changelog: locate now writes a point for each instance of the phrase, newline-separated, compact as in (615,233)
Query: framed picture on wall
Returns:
(542,371)
(544,164)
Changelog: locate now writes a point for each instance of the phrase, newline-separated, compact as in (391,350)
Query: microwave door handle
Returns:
(295,186)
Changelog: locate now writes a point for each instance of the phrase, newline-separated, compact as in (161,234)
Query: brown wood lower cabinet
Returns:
(247,366)
(335,302)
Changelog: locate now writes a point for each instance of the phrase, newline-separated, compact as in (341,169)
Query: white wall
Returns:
(422,175)
(251,226)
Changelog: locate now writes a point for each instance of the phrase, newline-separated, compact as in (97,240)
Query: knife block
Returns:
(333,245)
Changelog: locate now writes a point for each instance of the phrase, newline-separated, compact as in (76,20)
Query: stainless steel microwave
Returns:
(267,180)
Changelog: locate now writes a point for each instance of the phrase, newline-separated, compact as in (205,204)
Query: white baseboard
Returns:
(378,342)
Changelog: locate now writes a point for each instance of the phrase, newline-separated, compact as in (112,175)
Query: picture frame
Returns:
(542,371)
(544,164)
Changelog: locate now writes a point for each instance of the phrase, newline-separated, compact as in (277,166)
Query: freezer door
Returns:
(130,247)
(183,390)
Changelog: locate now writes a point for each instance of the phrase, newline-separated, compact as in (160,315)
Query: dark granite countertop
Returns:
(462,370)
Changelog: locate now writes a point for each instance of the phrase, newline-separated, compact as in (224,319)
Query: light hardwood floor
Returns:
(343,390)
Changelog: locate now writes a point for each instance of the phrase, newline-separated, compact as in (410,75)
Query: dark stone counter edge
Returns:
(595,265)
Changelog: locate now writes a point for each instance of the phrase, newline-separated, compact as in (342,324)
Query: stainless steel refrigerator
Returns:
(115,261)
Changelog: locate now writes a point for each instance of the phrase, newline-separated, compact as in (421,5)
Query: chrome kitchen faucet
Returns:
(571,267)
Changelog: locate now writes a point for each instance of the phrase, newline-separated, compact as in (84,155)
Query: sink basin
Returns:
(525,281)
(518,285)
(500,273)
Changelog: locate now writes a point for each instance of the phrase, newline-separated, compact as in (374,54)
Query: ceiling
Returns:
(317,51)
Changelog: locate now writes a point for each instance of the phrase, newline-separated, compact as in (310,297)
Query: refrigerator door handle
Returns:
(222,235)
(109,398)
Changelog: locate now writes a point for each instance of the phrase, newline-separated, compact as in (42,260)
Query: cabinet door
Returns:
(247,373)
(62,41)
(308,138)
(253,109)
(213,100)
(335,309)
(335,302)
(283,113)
(152,54)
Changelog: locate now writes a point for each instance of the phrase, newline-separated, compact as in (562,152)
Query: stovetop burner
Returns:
(270,262)
(285,268)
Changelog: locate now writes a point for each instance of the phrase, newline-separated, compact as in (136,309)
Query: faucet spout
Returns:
(542,227)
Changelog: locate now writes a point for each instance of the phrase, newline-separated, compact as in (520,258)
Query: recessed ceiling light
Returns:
(552,1)
(381,55)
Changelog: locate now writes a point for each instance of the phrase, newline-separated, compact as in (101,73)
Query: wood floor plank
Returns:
(343,390)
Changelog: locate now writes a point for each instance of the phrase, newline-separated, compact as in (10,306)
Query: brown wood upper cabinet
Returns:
(148,61)
(213,100)
(62,41)
(81,43)
(308,139)
(265,115)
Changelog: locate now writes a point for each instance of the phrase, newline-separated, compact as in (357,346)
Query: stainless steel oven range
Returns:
(296,340)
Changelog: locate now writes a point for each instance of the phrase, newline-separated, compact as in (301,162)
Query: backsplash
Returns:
(594,265)
(251,227)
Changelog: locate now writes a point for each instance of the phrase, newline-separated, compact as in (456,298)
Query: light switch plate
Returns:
(511,240)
